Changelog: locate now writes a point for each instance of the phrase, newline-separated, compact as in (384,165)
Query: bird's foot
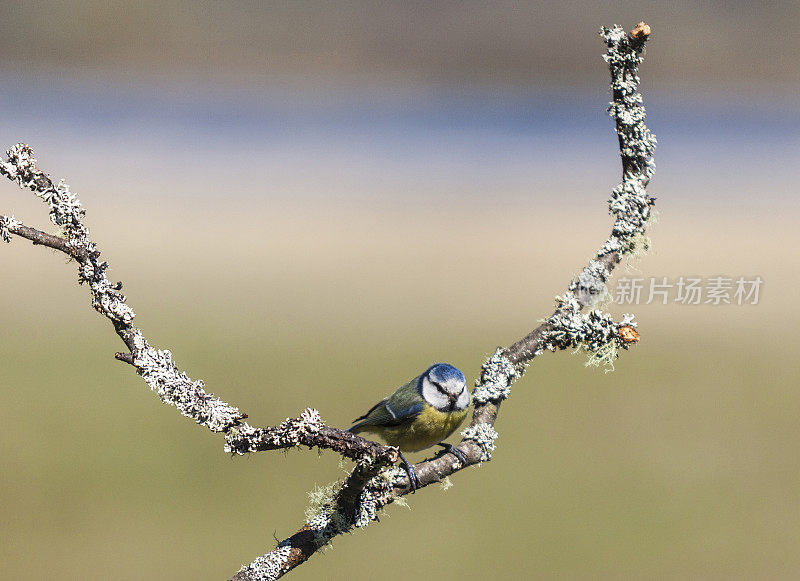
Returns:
(449,448)
(413,481)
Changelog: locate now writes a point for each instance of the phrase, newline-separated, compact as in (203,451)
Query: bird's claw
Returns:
(413,481)
(449,448)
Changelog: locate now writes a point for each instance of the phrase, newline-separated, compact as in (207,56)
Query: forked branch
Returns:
(371,486)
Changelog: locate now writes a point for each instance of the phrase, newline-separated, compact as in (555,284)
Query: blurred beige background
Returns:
(309,203)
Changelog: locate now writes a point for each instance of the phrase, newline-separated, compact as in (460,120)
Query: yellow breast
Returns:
(429,427)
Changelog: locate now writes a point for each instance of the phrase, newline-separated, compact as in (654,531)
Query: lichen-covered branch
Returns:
(568,327)
(156,366)
(307,430)
(357,500)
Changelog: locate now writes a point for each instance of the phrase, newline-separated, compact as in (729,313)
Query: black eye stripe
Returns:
(438,386)
(452,398)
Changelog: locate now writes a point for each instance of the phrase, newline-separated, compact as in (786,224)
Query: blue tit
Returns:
(421,413)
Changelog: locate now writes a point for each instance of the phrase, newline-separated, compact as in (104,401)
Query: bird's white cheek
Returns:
(432,395)
(463,399)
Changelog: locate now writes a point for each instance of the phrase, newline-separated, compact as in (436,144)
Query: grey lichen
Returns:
(67,213)
(327,524)
(497,375)
(629,203)
(378,493)
(7,222)
(268,567)
(624,55)
(174,387)
(638,247)
(595,331)
(325,517)
(631,206)
(608,353)
(106,298)
(65,207)
(484,436)
(154,365)
(291,432)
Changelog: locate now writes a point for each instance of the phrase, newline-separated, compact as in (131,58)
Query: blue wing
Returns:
(386,413)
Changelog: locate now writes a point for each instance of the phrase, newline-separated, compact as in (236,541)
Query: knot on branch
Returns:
(641,31)
(627,333)
(497,375)
(484,436)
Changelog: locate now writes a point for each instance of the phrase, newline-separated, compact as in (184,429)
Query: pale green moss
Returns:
(603,357)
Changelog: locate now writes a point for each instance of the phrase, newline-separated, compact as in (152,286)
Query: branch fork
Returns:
(372,484)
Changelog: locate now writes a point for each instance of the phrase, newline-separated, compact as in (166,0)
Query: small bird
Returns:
(419,414)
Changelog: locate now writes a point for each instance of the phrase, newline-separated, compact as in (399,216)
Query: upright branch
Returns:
(357,500)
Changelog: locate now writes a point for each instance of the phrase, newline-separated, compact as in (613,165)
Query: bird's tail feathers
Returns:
(357,428)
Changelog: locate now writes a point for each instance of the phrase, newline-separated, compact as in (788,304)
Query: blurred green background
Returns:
(311,202)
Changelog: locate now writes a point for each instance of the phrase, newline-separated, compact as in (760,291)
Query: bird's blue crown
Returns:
(443,372)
